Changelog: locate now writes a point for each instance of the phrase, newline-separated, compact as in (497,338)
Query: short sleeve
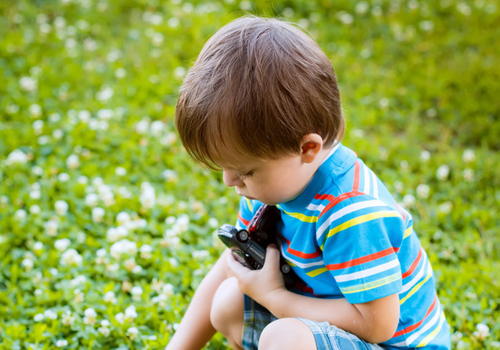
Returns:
(360,239)
(246,212)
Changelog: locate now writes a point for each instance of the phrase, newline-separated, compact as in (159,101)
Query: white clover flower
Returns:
(137,270)
(71,257)
(469,156)
(90,316)
(132,333)
(28,84)
(425,156)
(73,162)
(98,214)
(20,215)
(120,317)
(136,293)
(122,218)
(423,191)
(105,94)
(362,7)
(110,297)
(157,128)
(142,126)
(426,25)
(62,244)
(446,207)
(167,290)
(38,246)
(201,254)
(148,197)
(180,72)
(104,329)
(120,171)
(130,312)
(130,264)
(16,157)
(345,17)
(63,177)
(51,227)
(28,264)
(38,292)
(146,251)
(35,110)
(443,172)
(37,127)
(483,331)
(84,116)
(49,314)
(495,344)
(123,247)
(409,200)
(67,318)
(39,318)
(61,207)
(91,199)
(61,343)
(170,175)
(78,280)
(456,336)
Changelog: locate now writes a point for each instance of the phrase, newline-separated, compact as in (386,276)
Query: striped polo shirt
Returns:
(346,237)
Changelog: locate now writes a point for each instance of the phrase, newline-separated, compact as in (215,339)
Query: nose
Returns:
(230,179)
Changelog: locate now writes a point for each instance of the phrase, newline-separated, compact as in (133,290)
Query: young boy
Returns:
(261,103)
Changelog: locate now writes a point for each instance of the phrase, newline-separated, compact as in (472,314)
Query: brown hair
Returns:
(258,87)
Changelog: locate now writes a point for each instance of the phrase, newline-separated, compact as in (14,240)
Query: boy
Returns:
(261,103)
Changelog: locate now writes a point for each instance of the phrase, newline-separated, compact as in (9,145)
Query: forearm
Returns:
(195,329)
(374,322)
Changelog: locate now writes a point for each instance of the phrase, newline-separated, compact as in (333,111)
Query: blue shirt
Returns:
(346,237)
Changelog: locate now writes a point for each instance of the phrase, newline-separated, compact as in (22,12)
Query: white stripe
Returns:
(432,322)
(315,207)
(366,189)
(367,272)
(345,211)
(425,266)
(299,264)
(375,185)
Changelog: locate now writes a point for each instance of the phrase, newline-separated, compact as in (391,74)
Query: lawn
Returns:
(107,226)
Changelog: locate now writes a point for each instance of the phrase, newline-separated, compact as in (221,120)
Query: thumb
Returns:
(272,257)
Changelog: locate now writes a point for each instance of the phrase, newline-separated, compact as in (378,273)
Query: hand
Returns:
(261,284)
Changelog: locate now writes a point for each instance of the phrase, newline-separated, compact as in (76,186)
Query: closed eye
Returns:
(244,176)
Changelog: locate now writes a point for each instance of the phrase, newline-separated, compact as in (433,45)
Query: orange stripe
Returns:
(339,199)
(362,260)
(355,186)
(413,265)
(298,253)
(416,325)
(245,222)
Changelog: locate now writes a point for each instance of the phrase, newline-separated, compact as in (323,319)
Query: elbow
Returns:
(382,330)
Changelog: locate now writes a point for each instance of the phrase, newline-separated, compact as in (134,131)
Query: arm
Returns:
(195,329)
(374,321)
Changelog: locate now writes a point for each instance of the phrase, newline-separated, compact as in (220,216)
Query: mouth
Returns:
(242,194)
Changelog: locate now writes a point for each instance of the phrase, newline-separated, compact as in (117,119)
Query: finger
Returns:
(236,268)
(272,257)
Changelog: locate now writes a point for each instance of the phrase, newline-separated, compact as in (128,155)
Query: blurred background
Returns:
(106,225)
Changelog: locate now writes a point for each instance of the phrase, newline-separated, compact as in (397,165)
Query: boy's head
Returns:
(257,88)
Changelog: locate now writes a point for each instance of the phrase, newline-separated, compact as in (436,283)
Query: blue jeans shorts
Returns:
(327,337)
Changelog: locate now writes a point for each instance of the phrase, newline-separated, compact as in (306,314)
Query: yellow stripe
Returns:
(359,220)
(416,288)
(317,272)
(302,217)
(249,203)
(367,286)
(408,231)
(431,336)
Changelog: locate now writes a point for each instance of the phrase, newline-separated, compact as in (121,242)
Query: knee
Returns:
(287,333)
(227,307)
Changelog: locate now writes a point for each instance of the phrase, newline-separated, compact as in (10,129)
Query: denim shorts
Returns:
(327,337)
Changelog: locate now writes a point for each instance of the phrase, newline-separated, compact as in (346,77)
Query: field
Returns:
(107,226)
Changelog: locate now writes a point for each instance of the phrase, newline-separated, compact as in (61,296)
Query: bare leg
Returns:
(287,333)
(226,314)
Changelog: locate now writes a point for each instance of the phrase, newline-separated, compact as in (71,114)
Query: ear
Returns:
(310,147)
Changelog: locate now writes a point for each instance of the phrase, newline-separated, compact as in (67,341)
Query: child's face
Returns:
(269,181)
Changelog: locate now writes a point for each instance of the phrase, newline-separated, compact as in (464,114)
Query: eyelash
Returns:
(244,176)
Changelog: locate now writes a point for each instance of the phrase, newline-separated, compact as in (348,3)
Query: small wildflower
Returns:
(132,333)
(98,214)
(61,207)
(409,200)
(73,162)
(423,191)
(90,316)
(443,172)
(61,343)
(110,297)
(136,293)
(469,156)
(67,318)
(62,244)
(71,257)
(483,331)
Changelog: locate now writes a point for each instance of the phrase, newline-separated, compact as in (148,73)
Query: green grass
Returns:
(87,99)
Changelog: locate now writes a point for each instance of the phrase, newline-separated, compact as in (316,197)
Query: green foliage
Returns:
(106,225)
